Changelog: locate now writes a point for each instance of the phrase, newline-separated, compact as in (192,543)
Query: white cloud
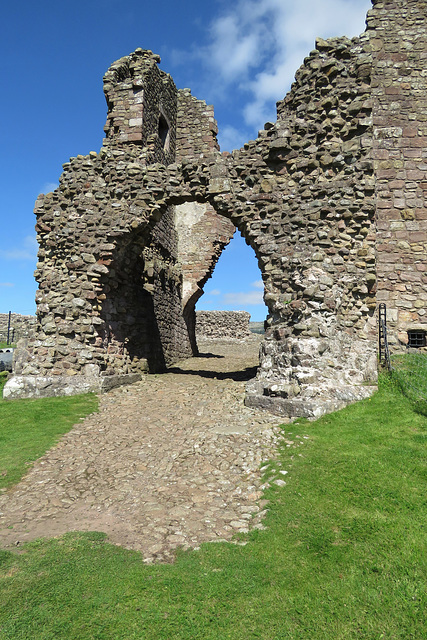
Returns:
(7,284)
(258,284)
(242,299)
(48,187)
(214,292)
(259,45)
(236,39)
(28,250)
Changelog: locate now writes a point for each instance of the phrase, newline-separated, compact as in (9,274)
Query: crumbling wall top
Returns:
(142,107)
(194,140)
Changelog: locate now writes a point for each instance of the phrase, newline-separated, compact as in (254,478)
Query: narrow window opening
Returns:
(416,339)
(164,132)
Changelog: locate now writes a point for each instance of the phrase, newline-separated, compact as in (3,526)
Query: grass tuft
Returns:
(3,378)
(410,374)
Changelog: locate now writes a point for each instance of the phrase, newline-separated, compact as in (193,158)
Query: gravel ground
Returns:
(171,461)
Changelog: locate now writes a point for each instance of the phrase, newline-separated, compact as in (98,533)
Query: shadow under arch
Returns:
(130,330)
(240,375)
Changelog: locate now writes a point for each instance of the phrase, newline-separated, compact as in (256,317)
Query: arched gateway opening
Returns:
(152,277)
(236,283)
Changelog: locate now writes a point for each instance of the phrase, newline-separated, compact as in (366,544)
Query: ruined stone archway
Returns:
(318,196)
(236,286)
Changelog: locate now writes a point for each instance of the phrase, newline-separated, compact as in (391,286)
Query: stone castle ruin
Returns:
(331,197)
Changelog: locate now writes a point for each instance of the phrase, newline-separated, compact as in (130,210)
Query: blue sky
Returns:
(240,56)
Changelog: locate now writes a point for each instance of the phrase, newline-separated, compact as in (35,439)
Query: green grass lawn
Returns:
(29,427)
(3,378)
(343,555)
(410,373)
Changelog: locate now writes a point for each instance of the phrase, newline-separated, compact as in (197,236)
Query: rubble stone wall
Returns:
(202,234)
(196,127)
(313,229)
(223,325)
(21,326)
(318,195)
(110,298)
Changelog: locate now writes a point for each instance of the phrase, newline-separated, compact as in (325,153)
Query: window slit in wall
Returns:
(164,132)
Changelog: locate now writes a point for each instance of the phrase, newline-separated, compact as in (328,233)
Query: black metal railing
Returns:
(383,350)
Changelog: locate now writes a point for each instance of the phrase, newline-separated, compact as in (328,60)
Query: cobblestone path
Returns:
(170,461)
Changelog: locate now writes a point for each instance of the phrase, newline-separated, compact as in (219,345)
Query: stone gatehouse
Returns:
(331,197)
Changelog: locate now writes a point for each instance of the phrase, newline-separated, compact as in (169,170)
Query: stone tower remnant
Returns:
(331,197)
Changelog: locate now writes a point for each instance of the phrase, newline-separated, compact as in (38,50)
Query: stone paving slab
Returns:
(171,461)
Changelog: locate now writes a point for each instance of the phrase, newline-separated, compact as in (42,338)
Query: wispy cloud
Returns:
(258,284)
(294,27)
(256,46)
(7,284)
(234,48)
(27,251)
(214,292)
(243,299)
(48,187)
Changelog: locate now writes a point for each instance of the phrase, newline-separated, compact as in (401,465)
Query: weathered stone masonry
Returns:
(223,325)
(20,326)
(399,90)
(331,198)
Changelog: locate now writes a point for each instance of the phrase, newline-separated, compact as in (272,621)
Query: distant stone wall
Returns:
(6,359)
(20,326)
(223,325)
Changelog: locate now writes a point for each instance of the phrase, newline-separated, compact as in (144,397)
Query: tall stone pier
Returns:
(331,197)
